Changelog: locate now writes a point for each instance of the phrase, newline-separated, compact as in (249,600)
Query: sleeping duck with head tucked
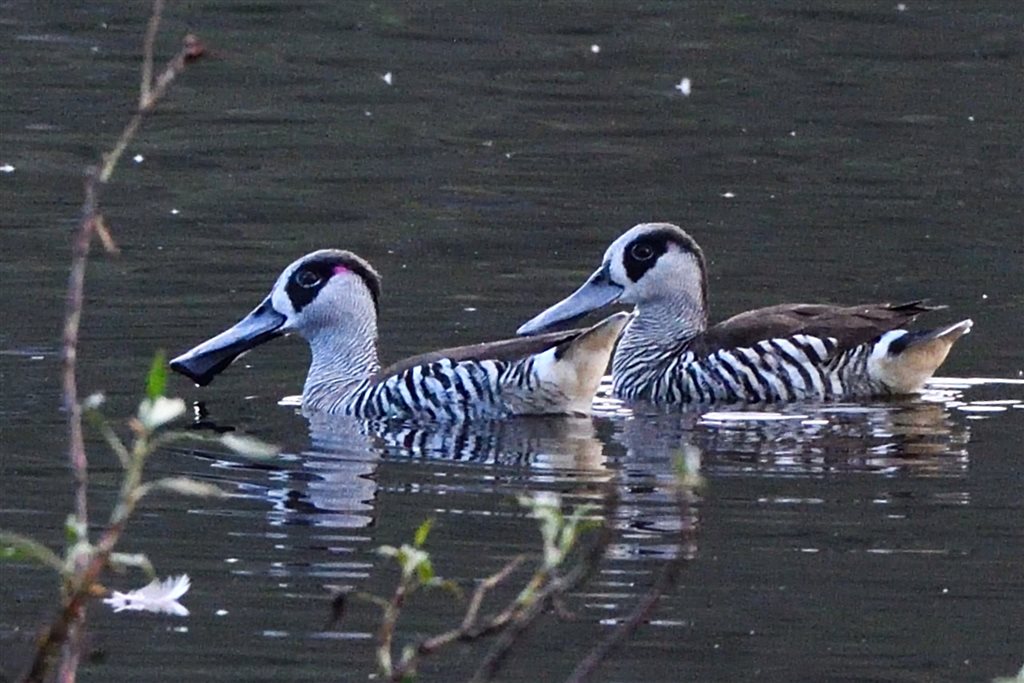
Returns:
(669,354)
(330,298)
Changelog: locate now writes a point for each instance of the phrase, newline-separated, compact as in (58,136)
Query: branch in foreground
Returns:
(542,592)
(66,628)
(687,480)
(548,597)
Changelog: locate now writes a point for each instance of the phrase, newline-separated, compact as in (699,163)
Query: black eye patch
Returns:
(641,255)
(643,252)
(308,279)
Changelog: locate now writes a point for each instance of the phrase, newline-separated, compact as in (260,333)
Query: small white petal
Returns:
(157,412)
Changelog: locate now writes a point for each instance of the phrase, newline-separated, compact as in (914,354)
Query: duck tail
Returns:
(903,361)
(576,366)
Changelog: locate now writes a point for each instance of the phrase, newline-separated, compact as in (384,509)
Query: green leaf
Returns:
(425,570)
(422,532)
(74,531)
(686,467)
(249,446)
(122,561)
(17,548)
(187,486)
(93,402)
(446,585)
(156,380)
(154,413)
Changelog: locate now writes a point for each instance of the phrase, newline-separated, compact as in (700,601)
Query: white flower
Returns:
(157,596)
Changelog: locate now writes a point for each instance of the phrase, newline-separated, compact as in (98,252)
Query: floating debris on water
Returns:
(157,596)
(387,78)
(6,168)
(138,158)
(685,87)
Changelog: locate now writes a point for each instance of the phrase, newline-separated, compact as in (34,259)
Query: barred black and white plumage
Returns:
(669,354)
(330,298)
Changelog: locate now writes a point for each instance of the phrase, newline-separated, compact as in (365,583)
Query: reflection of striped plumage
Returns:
(330,298)
(669,354)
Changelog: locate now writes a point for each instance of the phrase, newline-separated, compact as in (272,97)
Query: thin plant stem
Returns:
(547,597)
(66,629)
(641,611)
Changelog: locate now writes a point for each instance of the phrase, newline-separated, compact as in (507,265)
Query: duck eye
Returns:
(307,278)
(641,252)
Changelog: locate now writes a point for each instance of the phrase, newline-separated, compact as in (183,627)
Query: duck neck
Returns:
(660,329)
(344,356)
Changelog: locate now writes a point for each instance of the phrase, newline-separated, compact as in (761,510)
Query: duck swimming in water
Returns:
(669,354)
(330,298)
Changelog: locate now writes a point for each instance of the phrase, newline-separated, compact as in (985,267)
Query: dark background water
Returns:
(845,151)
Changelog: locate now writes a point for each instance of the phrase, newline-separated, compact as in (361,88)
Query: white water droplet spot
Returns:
(595,48)
(138,158)
(175,212)
(728,195)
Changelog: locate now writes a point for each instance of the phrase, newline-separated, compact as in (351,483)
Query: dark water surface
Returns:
(854,151)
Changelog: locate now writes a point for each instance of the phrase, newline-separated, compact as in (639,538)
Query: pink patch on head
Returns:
(340,269)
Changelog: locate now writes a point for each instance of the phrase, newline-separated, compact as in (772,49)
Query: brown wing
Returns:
(850,325)
(505,349)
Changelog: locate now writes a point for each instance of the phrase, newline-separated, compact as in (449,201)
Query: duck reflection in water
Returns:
(334,481)
(912,436)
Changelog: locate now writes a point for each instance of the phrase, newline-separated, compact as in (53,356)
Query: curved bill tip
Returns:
(596,292)
(207,360)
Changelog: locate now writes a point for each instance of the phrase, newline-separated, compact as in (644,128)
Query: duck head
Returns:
(652,265)
(328,297)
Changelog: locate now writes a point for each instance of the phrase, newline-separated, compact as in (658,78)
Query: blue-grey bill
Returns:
(207,360)
(596,292)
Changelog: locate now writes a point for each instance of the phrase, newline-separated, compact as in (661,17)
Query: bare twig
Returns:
(551,591)
(665,581)
(147,52)
(469,630)
(543,591)
(66,627)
